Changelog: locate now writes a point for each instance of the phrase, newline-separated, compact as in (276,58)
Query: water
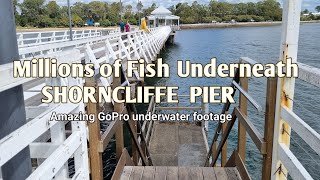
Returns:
(261,44)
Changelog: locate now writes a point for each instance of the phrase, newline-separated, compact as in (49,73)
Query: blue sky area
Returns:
(306,4)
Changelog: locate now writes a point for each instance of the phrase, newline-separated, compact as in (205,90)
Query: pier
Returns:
(159,149)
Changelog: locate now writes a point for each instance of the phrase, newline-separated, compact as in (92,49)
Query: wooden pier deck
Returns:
(177,144)
(174,173)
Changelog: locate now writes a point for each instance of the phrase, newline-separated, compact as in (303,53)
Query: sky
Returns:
(306,4)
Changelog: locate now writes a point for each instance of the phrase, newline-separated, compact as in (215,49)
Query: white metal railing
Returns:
(60,149)
(175,27)
(28,39)
(126,46)
(45,49)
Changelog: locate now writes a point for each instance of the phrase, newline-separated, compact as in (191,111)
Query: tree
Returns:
(32,10)
(318,8)
(97,10)
(306,11)
(139,6)
(53,9)
(77,20)
(46,21)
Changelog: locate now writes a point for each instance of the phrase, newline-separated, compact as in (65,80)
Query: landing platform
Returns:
(174,173)
(177,144)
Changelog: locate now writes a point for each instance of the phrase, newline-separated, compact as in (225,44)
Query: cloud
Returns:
(306,4)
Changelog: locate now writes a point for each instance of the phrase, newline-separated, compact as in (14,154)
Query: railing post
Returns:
(269,127)
(118,108)
(224,151)
(285,86)
(13,114)
(243,105)
(94,136)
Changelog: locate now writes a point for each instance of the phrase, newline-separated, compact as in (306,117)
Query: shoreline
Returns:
(240,24)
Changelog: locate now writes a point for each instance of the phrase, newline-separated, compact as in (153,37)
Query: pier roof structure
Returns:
(162,16)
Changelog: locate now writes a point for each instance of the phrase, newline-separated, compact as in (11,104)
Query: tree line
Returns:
(37,13)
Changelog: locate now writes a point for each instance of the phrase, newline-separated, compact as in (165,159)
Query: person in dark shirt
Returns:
(122,26)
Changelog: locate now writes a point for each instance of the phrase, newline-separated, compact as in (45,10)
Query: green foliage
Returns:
(77,20)
(46,21)
(258,18)
(243,18)
(105,23)
(38,13)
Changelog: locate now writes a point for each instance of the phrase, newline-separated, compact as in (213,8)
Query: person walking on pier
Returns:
(127,26)
(144,25)
(121,26)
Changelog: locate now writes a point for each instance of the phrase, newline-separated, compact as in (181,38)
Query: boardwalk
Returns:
(181,173)
(177,144)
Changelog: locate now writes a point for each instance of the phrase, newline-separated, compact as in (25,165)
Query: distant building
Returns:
(163,17)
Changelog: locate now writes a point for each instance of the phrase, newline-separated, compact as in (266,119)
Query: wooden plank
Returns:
(220,173)
(148,173)
(96,164)
(134,150)
(224,149)
(292,164)
(309,74)
(161,173)
(232,173)
(243,105)
(137,144)
(123,161)
(208,173)
(196,173)
(231,160)
(118,108)
(224,138)
(172,173)
(225,108)
(241,167)
(184,173)
(252,131)
(126,172)
(269,127)
(108,134)
(309,135)
(136,173)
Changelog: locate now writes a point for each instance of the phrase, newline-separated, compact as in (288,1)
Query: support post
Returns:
(94,136)
(224,151)
(12,108)
(269,126)
(243,105)
(285,86)
(118,108)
